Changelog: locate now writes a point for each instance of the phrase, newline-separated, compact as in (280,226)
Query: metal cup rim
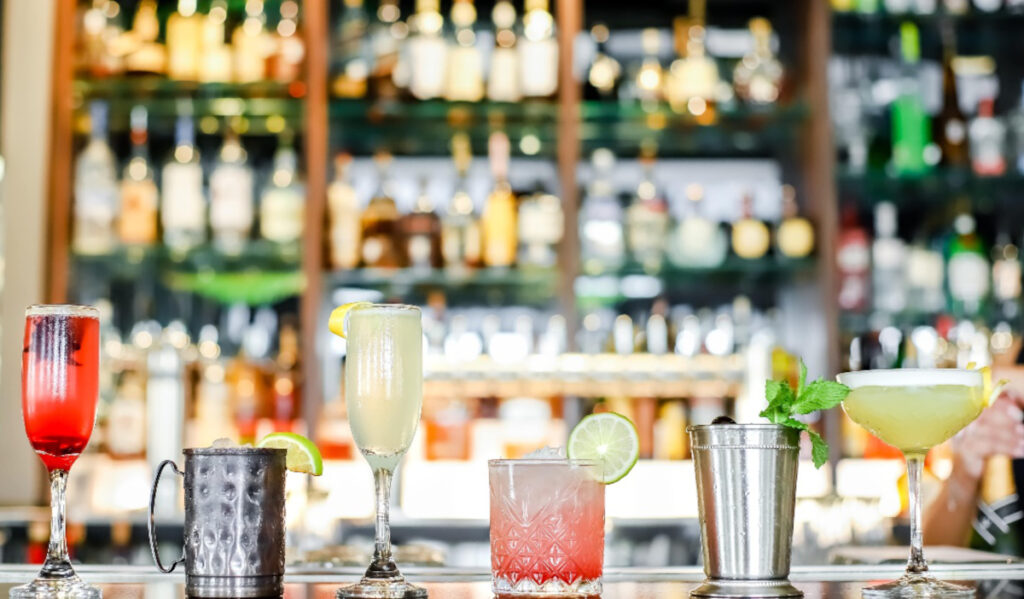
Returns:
(737,426)
(234,451)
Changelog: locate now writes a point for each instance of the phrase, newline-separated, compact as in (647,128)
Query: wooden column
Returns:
(315,24)
(61,137)
(818,168)
(570,21)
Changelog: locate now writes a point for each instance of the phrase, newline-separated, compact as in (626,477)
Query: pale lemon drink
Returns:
(915,410)
(384,380)
(384,394)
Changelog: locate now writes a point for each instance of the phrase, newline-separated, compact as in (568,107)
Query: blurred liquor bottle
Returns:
(1016,123)
(353,69)
(288,49)
(751,237)
(647,219)
(343,213)
(911,126)
(420,233)
(498,223)
(853,259)
(461,244)
(96,192)
(283,201)
(183,203)
(387,36)
(950,124)
(379,221)
(602,238)
(794,237)
(184,37)
(503,74)
(697,242)
(1006,276)
(888,262)
(137,223)
(286,391)
(967,268)
(987,141)
(145,56)
(464,75)
(231,195)
(251,45)
(648,82)
(540,223)
(604,71)
(216,64)
(538,51)
(757,77)
(126,419)
(428,51)
(694,77)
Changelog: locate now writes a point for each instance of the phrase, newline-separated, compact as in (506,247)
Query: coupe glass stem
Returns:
(383,566)
(57,564)
(916,564)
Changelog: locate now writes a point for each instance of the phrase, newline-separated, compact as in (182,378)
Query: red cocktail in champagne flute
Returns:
(59,390)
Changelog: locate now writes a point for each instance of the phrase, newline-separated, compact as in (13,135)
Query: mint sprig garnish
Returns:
(784,404)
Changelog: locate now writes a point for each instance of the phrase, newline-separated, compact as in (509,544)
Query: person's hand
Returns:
(999,430)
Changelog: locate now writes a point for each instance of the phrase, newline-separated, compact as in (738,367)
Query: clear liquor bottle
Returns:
(602,237)
(344,213)
(215,64)
(538,51)
(231,196)
(647,221)
(182,202)
(604,71)
(428,52)
(648,81)
(758,76)
(464,76)
(697,242)
(138,219)
(1006,276)
(283,202)
(96,193)
(541,225)
(353,67)
(503,75)
(460,229)
(251,45)
(888,262)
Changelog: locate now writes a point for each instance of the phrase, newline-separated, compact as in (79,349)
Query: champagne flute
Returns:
(59,390)
(384,395)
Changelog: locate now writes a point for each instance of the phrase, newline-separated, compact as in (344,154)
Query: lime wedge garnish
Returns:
(608,438)
(339,317)
(303,455)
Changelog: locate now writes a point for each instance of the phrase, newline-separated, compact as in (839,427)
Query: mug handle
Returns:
(152,518)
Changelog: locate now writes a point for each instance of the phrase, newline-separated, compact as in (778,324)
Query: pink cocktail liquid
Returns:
(59,384)
(547,527)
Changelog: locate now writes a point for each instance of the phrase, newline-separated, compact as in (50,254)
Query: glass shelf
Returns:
(267,107)
(480,286)
(976,32)
(939,185)
(735,275)
(362,126)
(261,273)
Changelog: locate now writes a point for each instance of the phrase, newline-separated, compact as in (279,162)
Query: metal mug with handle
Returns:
(234,543)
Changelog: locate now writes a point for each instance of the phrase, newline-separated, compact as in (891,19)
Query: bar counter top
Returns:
(1003,581)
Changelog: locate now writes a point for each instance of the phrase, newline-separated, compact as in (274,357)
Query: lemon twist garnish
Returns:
(339,317)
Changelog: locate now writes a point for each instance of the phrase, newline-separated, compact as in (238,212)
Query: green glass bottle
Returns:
(911,126)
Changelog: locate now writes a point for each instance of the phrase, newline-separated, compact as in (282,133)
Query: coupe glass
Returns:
(384,394)
(914,410)
(59,389)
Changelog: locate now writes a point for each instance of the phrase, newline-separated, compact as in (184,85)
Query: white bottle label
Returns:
(231,206)
(968,277)
(281,215)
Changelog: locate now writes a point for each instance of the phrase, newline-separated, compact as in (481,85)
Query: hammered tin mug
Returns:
(234,543)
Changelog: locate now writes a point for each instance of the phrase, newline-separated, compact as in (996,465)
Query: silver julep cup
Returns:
(234,522)
(746,492)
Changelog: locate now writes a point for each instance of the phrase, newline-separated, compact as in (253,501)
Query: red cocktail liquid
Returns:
(59,385)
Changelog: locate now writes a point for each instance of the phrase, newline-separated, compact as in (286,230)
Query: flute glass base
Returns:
(917,586)
(71,587)
(368,588)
